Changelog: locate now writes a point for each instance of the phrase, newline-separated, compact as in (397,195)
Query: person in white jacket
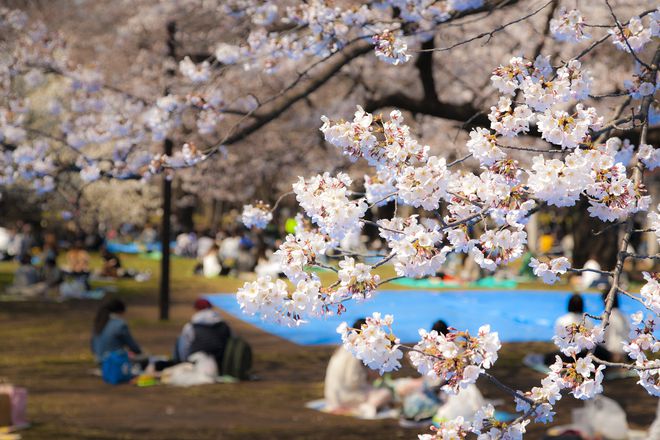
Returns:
(347,385)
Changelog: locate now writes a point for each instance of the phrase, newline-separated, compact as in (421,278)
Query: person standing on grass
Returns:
(110,332)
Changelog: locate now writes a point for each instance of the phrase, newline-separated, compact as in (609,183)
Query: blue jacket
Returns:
(115,336)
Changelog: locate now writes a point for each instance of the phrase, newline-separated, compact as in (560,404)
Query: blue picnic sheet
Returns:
(517,315)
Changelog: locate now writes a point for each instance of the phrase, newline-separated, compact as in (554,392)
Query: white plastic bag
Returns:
(201,370)
(467,402)
(606,418)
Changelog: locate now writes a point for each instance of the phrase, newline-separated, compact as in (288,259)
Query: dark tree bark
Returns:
(590,241)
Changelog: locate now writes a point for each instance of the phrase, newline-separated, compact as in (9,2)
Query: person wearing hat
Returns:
(206,332)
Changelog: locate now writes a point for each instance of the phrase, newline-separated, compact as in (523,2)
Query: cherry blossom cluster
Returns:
(543,89)
(391,47)
(569,26)
(301,250)
(107,130)
(379,188)
(568,130)
(326,201)
(643,341)
(356,280)
(273,301)
(487,427)
(633,36)
(650,292)
(424,185)
(394,147)
(551,271)
(484,425)
(649,155)
(582,377)
(541,85)
(417,249)
(373,343)
(322,28)
(498,247)
(613,195)
(594,172)
(642,82)
(257,216)
(483,146)
(196,73)
(578,337)
(457,357)
(654,222)
(188,156)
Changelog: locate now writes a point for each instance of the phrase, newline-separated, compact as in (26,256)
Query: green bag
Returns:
(237,359)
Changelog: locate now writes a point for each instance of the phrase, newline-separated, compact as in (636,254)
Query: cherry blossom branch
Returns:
(624,365)
(641,257)
(280,198)
(487,34)
(535,150)
(600,272)
(467,219)
(488,376)
(623,35)
(388,280)
(630,295)
(384,228)
(346,253)
(383,199)
(637,180)
(385,260)
(507,389)
(325,266)
(461,160)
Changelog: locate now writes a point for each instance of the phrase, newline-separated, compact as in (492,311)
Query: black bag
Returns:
(237,359)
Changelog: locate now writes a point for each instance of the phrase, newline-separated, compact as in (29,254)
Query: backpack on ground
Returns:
(237,359)
(116,367)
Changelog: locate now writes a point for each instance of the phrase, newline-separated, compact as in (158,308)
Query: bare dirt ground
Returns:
(44,347)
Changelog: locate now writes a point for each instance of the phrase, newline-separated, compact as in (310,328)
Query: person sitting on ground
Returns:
(229,250)
(348,386)
(77,260)
(50,273)
(246,260)
(575,315)
(590,278)
(110,332)
(211,262)
(111,264)
(423,399)
(204,245)
(206,332)
(26,279)
(616,333)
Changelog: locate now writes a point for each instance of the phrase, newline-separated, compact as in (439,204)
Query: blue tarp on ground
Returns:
(518,315)
(134,248)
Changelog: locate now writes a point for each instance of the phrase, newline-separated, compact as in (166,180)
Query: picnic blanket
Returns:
(425,283)
(322,406)
(435,283)
(117,247)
